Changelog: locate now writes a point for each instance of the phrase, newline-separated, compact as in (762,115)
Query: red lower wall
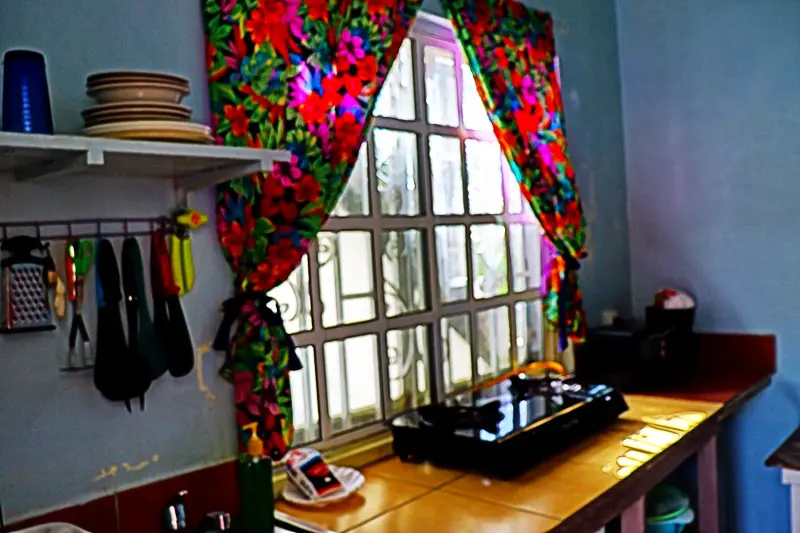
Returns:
(139,510)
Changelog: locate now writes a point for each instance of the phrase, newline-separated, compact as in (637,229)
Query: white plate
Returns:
(351,479)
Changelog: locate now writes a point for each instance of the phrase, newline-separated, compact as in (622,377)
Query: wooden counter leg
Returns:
(707,487)
(632,519)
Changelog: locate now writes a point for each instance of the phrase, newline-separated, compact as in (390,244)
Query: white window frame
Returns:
(428,30)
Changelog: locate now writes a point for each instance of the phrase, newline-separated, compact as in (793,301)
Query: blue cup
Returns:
(26,98)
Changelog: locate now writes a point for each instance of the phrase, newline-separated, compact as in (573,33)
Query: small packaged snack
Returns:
(310,473)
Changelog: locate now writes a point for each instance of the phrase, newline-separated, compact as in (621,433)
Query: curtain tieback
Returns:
(232,309)
(570,265)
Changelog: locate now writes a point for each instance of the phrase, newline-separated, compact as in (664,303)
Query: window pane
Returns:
(472,108)
(304,398)
(351,374)
(294,298)
(408,368)
(456,352)
(355,198)
(396,168)
(494,342)
(489,261)
(513,194)
(525,256)
(441,96)
(346,277)
(484,177)
(529,332)
(396,98)
(403,274)
(447,183)
(451,260)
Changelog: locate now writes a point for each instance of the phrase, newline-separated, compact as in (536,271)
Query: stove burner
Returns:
(522,386)
(450,417)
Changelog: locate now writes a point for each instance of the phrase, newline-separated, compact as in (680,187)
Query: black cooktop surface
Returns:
(506,425)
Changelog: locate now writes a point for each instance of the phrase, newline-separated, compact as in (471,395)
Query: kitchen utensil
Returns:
(181,253)
(139,90)
(120,374)
(351,480)
(142,336)
(115,76)
(215,522)
(175,513)
(79,257)
(54,281)
(26,97)
(25,305)
(168,317)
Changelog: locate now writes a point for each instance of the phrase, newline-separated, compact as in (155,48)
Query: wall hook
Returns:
(99,229)
(38,231)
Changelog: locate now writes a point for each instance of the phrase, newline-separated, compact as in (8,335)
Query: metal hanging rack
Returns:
(74,227)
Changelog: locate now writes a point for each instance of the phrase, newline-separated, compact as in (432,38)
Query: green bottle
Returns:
(255,481)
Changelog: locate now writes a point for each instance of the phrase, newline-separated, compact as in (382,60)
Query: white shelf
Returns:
(29,157)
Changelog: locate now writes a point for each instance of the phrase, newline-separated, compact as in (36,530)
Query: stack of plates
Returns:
(141,105)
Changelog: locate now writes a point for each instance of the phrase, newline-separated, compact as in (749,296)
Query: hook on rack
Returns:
(125,227)
(69,230)
(38,231)
(98,227)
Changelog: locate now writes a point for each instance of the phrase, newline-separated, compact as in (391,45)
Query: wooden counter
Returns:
(579,490)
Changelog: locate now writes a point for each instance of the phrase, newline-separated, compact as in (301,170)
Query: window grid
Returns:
(335,432)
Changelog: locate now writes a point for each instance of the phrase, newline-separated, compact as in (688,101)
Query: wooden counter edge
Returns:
(613,502)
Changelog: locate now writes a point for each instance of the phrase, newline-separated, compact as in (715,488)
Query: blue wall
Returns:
(711,101)
(56,433)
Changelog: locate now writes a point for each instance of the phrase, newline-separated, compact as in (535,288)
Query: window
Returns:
(425,281)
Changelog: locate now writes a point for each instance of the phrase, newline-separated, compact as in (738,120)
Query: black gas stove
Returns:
(506,428)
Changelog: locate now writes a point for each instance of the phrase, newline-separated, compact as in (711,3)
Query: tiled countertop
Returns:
(400,497)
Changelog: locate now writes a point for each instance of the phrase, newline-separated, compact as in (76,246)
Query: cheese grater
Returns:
(25,304)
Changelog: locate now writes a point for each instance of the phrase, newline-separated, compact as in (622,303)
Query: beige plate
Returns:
(157,135)
(136,107)
(129,92)
(162,130)
(125,112)
(132,117)
(104,78)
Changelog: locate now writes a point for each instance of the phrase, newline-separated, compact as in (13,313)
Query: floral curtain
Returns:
(511,52)
(299,75)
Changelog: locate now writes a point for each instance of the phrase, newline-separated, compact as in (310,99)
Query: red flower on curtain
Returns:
(302,76)
(511,52)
